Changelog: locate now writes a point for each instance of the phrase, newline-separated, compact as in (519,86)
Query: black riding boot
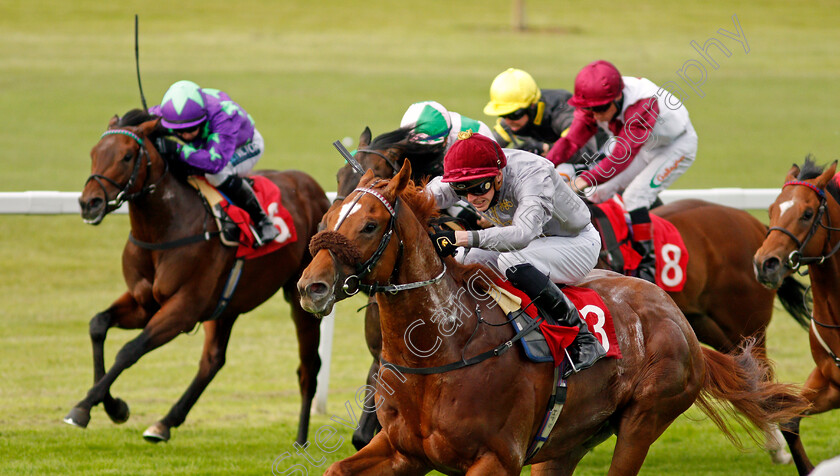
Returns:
(585,350)
(643,243)
(240,191)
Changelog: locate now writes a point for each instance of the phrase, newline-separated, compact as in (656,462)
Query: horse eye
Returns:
(369,228)
(808,214)
(128,157)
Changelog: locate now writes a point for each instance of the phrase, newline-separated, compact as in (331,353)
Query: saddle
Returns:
(546,343)
(235,224)
(612,222)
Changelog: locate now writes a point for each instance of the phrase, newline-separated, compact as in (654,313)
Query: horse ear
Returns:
(364,139)
(827,175)
(367,178)
(792,173)
(113,122)
(148,128)
(400,181)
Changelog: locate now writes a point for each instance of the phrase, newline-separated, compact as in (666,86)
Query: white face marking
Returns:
(346,210)
(784,206)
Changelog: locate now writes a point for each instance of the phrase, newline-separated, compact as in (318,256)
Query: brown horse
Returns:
(479,419)
(178,284)
(800,234)
(720,241)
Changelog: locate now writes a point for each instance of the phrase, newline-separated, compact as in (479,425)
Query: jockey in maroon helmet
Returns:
(652,143)
(541,228)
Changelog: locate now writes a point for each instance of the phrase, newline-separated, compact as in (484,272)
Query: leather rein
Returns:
(795,260)
(124,196)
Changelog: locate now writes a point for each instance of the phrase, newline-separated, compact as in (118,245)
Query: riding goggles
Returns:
(600,108)
(516,115)
(472,187)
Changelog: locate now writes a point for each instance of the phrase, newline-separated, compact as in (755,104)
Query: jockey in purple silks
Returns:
(219,138)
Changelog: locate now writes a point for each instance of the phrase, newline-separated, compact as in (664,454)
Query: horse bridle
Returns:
(394,166)
(795,259)
(352,284)
(123,195)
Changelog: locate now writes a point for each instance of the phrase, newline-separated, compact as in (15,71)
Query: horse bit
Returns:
(352,284)
(123,195)
(795,259)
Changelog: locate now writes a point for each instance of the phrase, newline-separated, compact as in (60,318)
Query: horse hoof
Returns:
(78,417)
(156,433)
(118,411)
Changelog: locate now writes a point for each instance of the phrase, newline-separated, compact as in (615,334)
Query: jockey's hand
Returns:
(534,146)
(444,241)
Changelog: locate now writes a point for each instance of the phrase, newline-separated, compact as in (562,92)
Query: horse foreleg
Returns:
(163,327)
(308,329)
(216,338)
(125,312)
(823,396)
(368,422)
(489,463)
(377,458)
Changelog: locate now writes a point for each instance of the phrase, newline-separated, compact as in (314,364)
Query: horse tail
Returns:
(735,387)
(792,296)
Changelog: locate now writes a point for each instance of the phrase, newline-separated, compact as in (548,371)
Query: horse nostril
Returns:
(317,290)
(94,203)
(770,265)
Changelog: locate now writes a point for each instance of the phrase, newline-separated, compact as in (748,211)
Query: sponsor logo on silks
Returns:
(663,174)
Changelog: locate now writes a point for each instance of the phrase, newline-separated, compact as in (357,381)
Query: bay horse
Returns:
(802,220)
(441,412)
(720,241)
(178,285)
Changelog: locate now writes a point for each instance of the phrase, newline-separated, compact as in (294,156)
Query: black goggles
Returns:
(187,130)
(516,115)
(601,108)
(472,187)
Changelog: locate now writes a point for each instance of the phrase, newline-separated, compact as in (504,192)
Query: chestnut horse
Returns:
(802,220)
(459,418)
(177,285)
(720,241)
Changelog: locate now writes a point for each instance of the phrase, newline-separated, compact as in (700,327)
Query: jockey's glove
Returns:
(444,241)
(533,146)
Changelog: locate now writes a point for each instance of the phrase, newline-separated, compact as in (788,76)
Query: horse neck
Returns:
(430,325)
(171,211)
(825,277)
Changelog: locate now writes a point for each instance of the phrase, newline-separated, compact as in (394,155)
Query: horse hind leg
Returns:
(216,338)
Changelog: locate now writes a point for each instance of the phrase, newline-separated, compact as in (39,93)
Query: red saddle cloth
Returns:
(591,308)
(269,196)
(671,253)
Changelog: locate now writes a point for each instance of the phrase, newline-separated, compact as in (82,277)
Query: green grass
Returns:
(311,73)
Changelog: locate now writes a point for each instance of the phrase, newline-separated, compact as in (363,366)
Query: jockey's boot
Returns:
(240,191)
(643,243)
(585,350)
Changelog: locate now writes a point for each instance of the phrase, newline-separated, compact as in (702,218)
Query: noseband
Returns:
(123,195)
(352,284)
(795,259)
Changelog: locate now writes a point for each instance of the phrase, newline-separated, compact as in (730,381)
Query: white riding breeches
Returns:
(244,159)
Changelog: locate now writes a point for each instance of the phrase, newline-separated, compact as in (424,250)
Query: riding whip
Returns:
(137,62)
(349,157)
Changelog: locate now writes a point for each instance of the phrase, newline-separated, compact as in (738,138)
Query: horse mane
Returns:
(810,169)
(179,169)
(135,117)
(423,205)
(426,160)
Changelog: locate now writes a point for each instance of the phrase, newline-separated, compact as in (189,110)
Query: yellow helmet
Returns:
(513,89)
